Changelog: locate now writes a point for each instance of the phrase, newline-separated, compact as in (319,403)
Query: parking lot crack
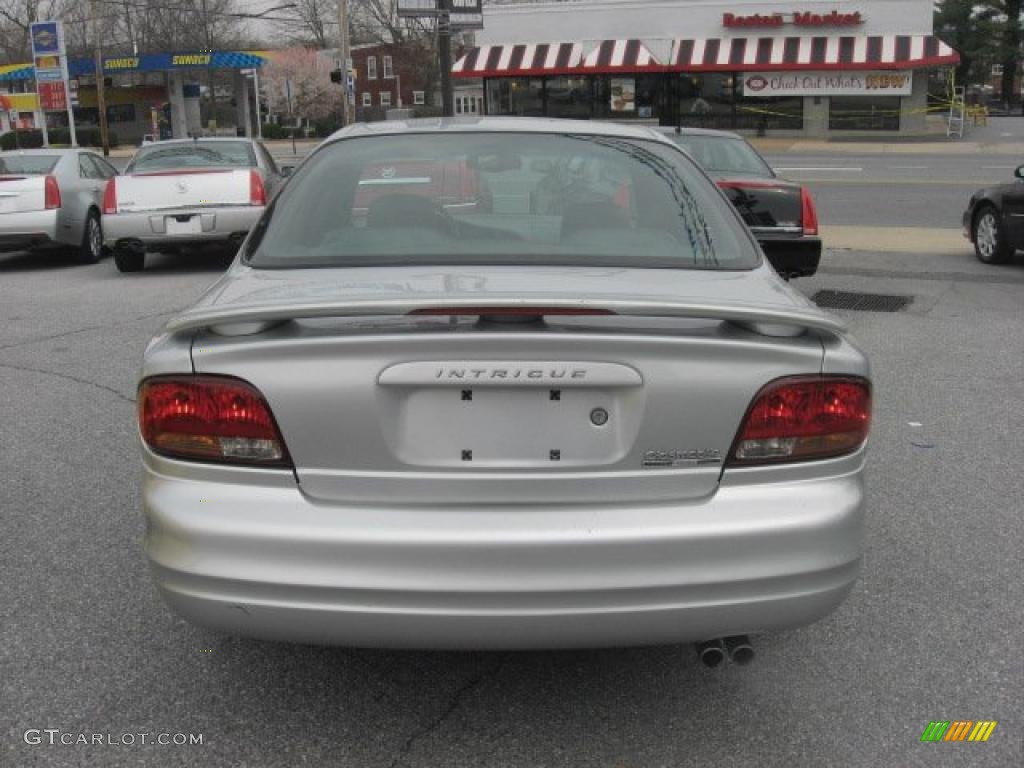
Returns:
(460,695)
(69,377)
(62,334)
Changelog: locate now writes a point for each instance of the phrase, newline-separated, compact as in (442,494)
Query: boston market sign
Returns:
(797,19)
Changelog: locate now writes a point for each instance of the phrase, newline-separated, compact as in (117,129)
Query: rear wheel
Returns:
(91,248)
(990,242)
(129,259)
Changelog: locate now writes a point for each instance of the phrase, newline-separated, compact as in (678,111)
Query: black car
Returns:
(780,213)
(994,220)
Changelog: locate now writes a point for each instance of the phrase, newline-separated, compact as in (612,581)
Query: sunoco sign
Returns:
(887,83)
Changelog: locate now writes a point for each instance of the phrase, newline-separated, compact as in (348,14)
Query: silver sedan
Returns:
(479,416)
(52,198)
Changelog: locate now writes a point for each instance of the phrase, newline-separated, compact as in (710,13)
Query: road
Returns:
(932,631)
(929,190)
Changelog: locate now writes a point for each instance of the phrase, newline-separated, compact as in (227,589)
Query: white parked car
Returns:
(186,192)
(51,198)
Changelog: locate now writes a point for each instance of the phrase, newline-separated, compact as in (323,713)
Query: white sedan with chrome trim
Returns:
(188,192)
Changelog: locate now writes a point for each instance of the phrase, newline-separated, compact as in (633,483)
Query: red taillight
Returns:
(514,311)
(110,197)
(52,192)
(257,192)
(725,184)
(808,213)
(209,418)
(800,418)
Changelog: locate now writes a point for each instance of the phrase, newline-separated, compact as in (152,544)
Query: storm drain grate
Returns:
(862,302)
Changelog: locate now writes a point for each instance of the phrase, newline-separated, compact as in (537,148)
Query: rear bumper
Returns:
(149,229)
(29,229)
(263,560)
(791,255)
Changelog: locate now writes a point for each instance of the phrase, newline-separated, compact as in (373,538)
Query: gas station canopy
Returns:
(150,62)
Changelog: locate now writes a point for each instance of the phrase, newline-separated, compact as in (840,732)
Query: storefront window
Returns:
(526,96)
(569,97)
(864,113)
(706,101)
(521,96)
(778,113)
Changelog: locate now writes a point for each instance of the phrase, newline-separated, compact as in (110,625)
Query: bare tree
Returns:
(313,96)
(16,16)
(377,21)
(310,23)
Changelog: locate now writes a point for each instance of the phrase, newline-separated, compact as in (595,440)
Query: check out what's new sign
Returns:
(888,83)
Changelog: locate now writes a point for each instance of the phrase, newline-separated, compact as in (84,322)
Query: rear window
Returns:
(28,165)
(724,154)
(487,198)
(197,154)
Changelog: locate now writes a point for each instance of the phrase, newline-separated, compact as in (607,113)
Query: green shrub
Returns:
(32,139)
(325,127)
(275,131)
(427,110)
(26,139)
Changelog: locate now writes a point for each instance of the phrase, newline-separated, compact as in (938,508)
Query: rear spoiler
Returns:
(242,319)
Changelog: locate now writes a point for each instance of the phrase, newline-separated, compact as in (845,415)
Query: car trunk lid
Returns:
(766,204)
(427,409)
(183,189)
(21,193)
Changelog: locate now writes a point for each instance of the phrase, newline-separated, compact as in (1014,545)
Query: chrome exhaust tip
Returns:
(739,649)
(711,652)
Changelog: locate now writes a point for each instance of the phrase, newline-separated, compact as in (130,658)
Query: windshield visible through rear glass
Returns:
(198,154)
(500,198)
(30,165)
(724,154)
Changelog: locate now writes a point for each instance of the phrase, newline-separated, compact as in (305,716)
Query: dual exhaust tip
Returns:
(738,648)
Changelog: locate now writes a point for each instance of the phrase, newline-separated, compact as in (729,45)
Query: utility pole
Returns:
(209,71)
(101,98)
(343,54)
(444,50)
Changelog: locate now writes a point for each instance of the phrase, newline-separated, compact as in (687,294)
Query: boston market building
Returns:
(797,68)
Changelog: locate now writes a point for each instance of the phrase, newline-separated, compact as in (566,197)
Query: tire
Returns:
(129,260)
(991,244)
(91,248)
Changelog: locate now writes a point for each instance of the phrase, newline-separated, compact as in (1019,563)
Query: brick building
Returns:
(390,76)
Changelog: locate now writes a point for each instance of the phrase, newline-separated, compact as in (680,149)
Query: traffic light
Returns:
(336,76)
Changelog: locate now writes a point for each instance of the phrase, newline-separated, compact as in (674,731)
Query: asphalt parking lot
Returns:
(932,631)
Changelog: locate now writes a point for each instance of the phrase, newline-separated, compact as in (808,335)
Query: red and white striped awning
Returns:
(605,56)
(620,56)
(810,53)
(519,60)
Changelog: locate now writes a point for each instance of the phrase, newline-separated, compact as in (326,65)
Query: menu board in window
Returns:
(623,94)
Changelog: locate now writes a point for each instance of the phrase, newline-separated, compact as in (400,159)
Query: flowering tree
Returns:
(313,95)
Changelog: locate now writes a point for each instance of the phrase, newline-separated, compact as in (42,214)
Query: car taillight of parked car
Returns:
(209,418)
(257,190)
(51,193)
(799,418)
(808,212)
(110,197)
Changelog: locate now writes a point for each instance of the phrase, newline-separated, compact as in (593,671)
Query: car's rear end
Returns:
(783,218)
(30,201)
(180,194)
(781,214)
(473,450)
